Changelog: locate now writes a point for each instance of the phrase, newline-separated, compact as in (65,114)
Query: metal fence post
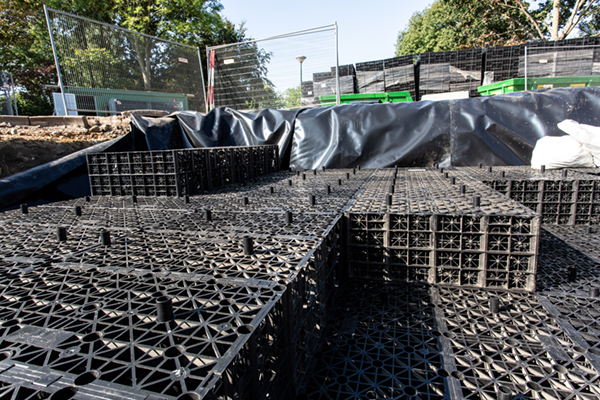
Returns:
(202,77)
(525,60)
(12,86)
(60,81)
(337,68)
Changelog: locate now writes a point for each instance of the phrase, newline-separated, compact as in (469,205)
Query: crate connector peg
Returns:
(358,167)
(353,171)
(441,170)
(542,168)
(271,189)
(476,201)
(339,182)
(105,238)
(87,199)
(303,177)
(446,175)
(24,209)
(389,199)
(594,292)
(207,215)
(571,273)
(323,168)
(290,182)
(186,199)
(246,200)
(61,234)
(248,246)
(463,189)
(480,165)
(347,175)
(494,305)
(164,309)
(588,229)
(313,200)
(392,189)
(453,181)
(502,174)
(504,393)
(77,210)
(298,173)
(489,169)
(328,189)
(565,173)
(289,218)
(314,171)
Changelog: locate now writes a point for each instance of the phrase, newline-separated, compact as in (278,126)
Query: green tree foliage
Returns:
(290,97)
(460,24)
(26,50)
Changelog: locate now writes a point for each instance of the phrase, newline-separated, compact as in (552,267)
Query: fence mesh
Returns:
(109,69)
(267,73)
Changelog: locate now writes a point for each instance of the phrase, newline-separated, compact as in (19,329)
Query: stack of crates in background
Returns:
(325,83)
(565,197)
(177,172)
(370,77)
(450,71)
(307,98)
(399,75)
(424,226)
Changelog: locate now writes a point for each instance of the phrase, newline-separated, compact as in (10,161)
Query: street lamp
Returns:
(301,60)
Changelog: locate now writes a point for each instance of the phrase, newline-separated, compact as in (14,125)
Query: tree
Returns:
(460,24)
(26,48)
(290,97)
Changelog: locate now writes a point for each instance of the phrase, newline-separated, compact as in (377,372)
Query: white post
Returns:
(337,68)
(525,68)
(60,81)
(202,78)
(12,85)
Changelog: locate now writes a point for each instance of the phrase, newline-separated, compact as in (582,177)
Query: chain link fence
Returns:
(105,70)
(284,71)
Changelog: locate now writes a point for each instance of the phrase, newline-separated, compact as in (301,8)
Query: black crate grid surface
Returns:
(80,318)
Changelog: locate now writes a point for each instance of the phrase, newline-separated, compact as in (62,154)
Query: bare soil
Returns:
(25,147)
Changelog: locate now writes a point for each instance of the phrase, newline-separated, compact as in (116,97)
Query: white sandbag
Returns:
(560,152)
(587,135)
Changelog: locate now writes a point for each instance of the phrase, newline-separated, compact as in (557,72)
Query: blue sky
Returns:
(367,29)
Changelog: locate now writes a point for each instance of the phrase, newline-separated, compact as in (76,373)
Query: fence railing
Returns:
(284,71)
(104,69)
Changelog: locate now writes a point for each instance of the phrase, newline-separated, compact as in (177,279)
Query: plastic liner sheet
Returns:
(499,130)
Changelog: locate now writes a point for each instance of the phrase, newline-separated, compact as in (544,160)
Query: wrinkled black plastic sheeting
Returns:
(498,130)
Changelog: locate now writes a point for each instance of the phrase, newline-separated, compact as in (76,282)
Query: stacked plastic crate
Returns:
(564,197)
(177,172)
(173,298)
(427,226)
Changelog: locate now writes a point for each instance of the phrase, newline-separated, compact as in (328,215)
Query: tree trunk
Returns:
(555,20)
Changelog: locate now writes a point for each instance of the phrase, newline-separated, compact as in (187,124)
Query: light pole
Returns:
(301,60)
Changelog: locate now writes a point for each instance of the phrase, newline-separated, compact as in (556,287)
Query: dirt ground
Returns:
(23,147)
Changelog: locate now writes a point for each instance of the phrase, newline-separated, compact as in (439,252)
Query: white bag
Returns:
(587,135)
(560,152)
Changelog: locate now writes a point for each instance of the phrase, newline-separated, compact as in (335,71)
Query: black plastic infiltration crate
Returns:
(177,172)
(571,199)
(450,71)
(382,344)
(399,75)
(428,231)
